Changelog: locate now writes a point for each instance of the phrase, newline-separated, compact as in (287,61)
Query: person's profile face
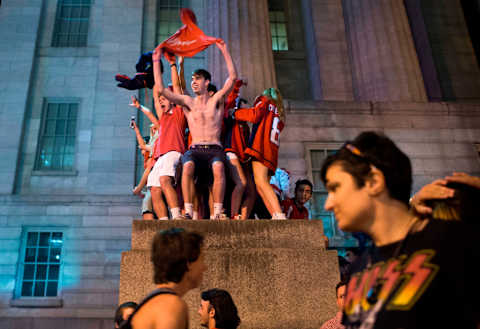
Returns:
(350,204)
(342,290)
(203,312)
(199,84)
(303,193)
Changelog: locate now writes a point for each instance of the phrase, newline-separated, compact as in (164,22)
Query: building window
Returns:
(168,18)
(71,24)
(40,264)
(56,149)
(316,155)
(278,25)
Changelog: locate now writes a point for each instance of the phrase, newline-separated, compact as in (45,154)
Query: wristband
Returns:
(145,108)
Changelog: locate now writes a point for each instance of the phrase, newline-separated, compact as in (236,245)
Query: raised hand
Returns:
(463,178)
(135,102)
(170,57)
(221,45)
(157,54)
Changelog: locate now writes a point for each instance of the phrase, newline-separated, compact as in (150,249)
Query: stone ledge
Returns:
(232,235)
(102,313)
(400,108)
(37,302)
(89,199)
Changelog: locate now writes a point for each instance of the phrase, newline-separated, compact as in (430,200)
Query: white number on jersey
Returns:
(275,132)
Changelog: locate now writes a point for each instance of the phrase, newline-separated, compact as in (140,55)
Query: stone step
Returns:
(230,234)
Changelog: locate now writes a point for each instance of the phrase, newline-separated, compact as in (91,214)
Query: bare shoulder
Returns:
(162,312)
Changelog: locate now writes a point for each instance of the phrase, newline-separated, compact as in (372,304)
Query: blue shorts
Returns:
(204,155)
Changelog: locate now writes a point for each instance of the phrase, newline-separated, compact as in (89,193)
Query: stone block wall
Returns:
(19,24)
(96,230)
(439,138)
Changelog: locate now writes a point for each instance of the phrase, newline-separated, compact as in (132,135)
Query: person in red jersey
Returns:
(235,142)
(268,120)
(169,147)
(294,207)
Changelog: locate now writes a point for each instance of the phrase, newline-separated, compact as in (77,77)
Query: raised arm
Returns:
(232,72)
(141,142)
(145,110)
(177,89)
(178,99)
(253,114)
(181,75)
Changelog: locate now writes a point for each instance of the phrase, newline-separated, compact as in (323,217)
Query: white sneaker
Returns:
(279,216)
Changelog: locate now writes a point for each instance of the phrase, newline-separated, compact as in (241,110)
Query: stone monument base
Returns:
(278,272)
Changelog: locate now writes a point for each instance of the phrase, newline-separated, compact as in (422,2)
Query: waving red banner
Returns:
(189,39)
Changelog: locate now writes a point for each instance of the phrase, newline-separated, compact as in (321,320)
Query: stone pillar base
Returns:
(278,272)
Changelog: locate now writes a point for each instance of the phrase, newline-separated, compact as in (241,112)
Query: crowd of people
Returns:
(201,146)
(417,273)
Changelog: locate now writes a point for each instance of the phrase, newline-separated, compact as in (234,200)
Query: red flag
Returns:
(189,39)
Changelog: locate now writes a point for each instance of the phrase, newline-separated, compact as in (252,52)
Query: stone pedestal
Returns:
(244,26)
(384,62)
(278,272)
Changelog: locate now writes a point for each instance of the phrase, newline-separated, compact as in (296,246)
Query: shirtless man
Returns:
(204,117)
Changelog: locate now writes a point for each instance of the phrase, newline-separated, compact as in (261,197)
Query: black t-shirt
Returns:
(430,284)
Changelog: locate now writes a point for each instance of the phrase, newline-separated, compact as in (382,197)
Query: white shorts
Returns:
(166,165)
(231,156)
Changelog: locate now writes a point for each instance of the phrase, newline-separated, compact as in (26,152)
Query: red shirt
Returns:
(236,132)
(171,133)
(292,211)
(264,139)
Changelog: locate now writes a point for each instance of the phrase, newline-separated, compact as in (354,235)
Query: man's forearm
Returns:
(232,72)
(157,74)
(175,80)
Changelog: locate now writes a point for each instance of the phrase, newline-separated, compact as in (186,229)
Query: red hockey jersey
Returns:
(264,140)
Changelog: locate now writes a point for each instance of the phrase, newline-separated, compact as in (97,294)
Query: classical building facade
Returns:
(407,68)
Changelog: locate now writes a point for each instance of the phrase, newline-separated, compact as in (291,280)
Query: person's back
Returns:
(162,311)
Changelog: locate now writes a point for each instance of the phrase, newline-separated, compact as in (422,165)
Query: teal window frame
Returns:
(40,250)
(72,23)
(278,25)
(316,154)
(57,136)
(168,18)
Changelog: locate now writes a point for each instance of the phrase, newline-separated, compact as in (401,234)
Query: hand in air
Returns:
(221,45)
(435,190)
(138,191)
(135,102)
(463,178)
(170,57)
(157,54)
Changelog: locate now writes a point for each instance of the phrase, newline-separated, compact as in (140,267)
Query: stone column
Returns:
(384,61)
(327,52)
(244,25)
